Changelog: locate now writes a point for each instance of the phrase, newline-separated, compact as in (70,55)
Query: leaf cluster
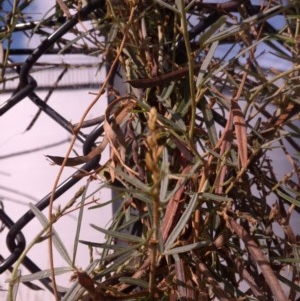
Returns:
(204,212)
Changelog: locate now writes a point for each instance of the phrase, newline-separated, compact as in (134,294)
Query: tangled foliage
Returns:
(196,131)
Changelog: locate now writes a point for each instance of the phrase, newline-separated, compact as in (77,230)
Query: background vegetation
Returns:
(208,105)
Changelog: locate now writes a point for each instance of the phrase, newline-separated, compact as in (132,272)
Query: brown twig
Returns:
(260,259)
(109,75)
(162,79)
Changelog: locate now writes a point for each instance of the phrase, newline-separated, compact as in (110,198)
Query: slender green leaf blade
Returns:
(123,236)
(182,222)
(59,245)
(45,273)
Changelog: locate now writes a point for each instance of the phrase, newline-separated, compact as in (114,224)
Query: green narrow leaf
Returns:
(215,197)
(45,273)
(73,41)
(119,261)
(161,118)
(219,25)
(186,248)
(123,236)
(258,18)
(135,282)
(132,180)
(225,64)
(166,5)
(186,178)
(209,122)
(297,257)
(130,250)
(141,196)
(207,60)
(131,220)
(79,222)
(182,222)
(60,247)
(289,260)
(101,245)
(40,22)
(176,116)
(164,183)
(288,198)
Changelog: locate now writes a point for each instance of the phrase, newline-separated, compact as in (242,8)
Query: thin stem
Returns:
(37,238)
(260,259)
(184,28)
(152,163)
(74,138)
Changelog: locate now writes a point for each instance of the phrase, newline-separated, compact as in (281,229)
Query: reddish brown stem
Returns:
(261,260)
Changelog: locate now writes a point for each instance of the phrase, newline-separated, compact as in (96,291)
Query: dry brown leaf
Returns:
(184,283)
(116,114)
(241,133)
(74,161)
(70,161)
(113,135)
(173,207)
(224,143)
(64,8)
